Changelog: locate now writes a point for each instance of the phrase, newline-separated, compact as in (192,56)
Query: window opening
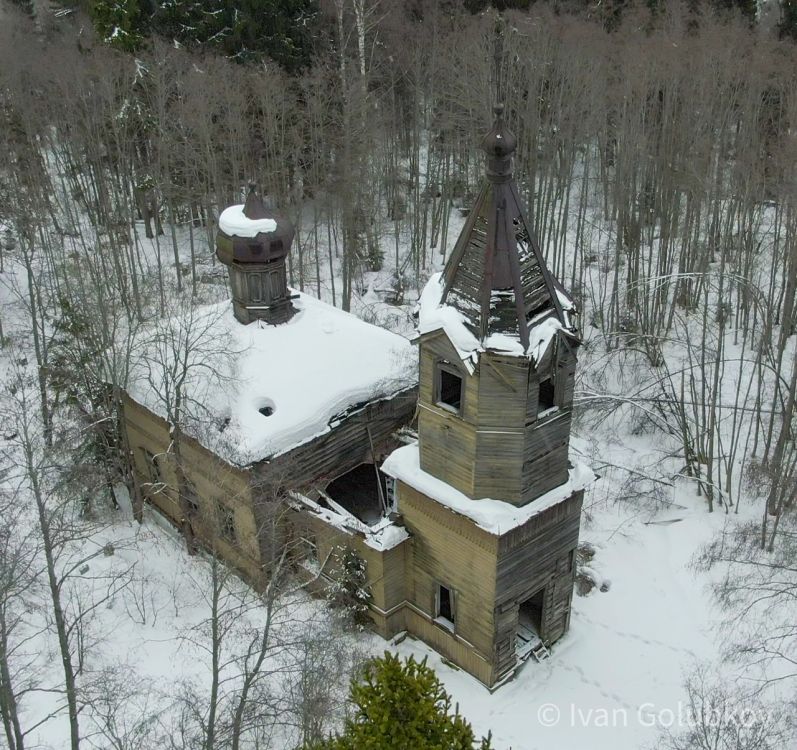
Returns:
(226,523)
(445,605)
(450,388)
(546,397)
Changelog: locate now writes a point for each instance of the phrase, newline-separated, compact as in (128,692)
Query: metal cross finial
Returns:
(498,55)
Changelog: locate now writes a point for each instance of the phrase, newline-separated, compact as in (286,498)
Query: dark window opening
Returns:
(226,523)
(276,247)
(445,604)
(546,399)
(450,389)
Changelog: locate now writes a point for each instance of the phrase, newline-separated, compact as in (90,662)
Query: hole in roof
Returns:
(266,407)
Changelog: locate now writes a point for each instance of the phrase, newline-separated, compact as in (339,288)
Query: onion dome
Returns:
(499,145)
(253,242)
(252,233)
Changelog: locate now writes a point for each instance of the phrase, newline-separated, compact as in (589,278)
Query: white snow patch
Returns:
(383,536)
(235,223)
(541,336)
(387,537)
(433,316)
(494,516)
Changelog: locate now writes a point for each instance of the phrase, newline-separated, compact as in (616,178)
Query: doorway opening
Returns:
(529,624)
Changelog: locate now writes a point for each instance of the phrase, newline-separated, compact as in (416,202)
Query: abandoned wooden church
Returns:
(468,527)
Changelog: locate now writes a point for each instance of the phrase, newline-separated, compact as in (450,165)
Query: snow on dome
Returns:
(235,223)
(494,516)
(308,370)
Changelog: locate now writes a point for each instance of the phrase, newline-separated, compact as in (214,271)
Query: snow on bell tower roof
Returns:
(496,290)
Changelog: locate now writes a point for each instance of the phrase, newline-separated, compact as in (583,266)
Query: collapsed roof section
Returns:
(496,278)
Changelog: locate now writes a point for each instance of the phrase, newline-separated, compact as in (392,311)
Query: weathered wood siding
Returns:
(386,571)
(435,347)
(345,446)
(490,575)
(499,445)
(449,549)
(544,461)
(538,555)
(547,434)
(249,493)
(214,481)
(498,461)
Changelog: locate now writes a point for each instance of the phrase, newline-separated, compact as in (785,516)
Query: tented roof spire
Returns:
(496,275)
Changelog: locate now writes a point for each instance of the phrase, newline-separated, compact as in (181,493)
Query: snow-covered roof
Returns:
(235,223)
(306,372)
(434,315)
(494,516)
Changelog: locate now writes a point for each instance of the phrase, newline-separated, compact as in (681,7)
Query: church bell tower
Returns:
(488,496)
(497,351)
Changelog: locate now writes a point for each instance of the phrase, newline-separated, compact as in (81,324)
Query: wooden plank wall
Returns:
(539,554)
(343,447)
(449,549)
(214,481)
(385,569)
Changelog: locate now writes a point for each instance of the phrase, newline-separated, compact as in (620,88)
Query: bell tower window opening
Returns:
(449,387)
(546,397)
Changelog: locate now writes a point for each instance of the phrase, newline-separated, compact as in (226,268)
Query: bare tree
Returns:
(720,716)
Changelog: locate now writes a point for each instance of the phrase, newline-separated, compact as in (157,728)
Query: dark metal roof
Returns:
(254,207)
(264,247)
(496,275)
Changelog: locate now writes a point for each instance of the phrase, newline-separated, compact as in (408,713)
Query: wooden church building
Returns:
(443,466)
